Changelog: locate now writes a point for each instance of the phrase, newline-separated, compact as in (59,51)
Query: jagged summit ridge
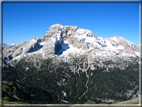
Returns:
(86,40)
(70,63)
(67,41)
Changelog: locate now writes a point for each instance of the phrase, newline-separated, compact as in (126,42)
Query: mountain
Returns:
(7,46)
(74,65)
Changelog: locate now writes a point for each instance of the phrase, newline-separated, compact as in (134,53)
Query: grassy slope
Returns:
(134,101)
(38,81)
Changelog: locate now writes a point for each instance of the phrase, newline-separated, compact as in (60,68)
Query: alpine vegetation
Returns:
(70,65)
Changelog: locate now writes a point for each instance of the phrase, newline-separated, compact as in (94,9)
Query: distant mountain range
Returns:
(71,65)
(8,45)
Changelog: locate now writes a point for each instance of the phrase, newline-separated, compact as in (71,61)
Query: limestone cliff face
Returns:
(66,41)
(129,47)
(75,59)
(74,36)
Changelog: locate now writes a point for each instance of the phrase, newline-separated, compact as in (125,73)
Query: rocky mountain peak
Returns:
(120,41)
(55,27)
(70,40)
(70,63)
(34,38)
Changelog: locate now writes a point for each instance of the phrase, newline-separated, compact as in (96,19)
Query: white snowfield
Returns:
(96,46)
(67,49)
(13,44)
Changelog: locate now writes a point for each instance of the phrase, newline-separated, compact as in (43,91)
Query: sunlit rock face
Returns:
(73,65)
(66,41)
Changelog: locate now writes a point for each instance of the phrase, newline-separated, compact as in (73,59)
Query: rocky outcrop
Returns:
(49,46)
(80,39)
(120,41)
(73,40)
(78,60)
(68,31)
(13,52)
(55,27)
(31,46)
(21,49)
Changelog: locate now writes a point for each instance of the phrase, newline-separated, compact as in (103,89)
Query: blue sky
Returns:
(23,21)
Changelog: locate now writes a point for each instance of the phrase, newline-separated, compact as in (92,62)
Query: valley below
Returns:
(70,65)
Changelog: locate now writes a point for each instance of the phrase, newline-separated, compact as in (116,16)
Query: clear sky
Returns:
(23,21)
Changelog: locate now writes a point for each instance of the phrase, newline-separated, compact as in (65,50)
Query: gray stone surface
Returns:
(77,37)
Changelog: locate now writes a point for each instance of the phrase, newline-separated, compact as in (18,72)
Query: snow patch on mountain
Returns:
(68,48)
(137,53)
(65,42)
(42,43)
(17,57)
(9,45)
(13,44)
